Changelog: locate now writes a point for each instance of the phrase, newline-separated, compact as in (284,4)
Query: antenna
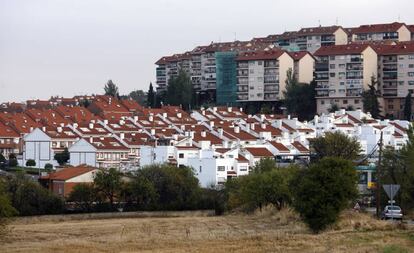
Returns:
(336,20)
(399,17)
(235,36)
(319,21)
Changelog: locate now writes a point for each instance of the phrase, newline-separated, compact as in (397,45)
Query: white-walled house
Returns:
(82,152)
(37,146)
(157,155)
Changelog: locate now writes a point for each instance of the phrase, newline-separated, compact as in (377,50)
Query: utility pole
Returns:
(378,197)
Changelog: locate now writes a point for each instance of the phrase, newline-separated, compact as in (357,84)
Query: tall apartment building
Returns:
(393,31)
(169,66)
(342,73)
(312,38)
(261,75)
(396,76)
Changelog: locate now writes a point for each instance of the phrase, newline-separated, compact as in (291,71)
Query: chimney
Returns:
(182,127)
(44,129)
(122,136)
(241,109)
(62,124)
(263,125)
(59,129)
(211,123)
(262,117)
(75,125)
(252,126)
(288,117)
(236,129)
(91,139)
(220,131)
(164,115)
(179,115)
(203,112)
(229,109)
(215,108)
(153,132)
(135,118)
(90,125)
(105,122)
(31,129)
(203,133)
(121,122)
(151,118)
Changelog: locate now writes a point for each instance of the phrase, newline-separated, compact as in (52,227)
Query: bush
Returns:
(63,157)
(177,188)
(13,162)
(6,209)
(30,163)
(48,166)
(323,191)
(259,189)
(30,198)
(83,195)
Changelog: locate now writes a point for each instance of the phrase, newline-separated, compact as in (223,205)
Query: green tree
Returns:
(407,107)
(139,96)
(30,163)
(63,157)
(333,108)
(323,191)
(180,90)
(30,198)
(109,183)
(264,165)
(335,144)
(111,89)
(143,192)
(48,166)
(350,108)
(177,188)
(151,96)
(299,98)
(83,195)
(370,99)
(6,209)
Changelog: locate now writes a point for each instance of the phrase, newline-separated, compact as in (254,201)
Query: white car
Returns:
(393,212)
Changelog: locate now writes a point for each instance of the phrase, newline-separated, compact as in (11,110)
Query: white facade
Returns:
(82,152)
(38,147)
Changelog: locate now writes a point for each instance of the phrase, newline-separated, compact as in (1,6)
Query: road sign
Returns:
(391,190)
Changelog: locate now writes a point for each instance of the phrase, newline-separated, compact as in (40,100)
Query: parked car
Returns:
(393,212)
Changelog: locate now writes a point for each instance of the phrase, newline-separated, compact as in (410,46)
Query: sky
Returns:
(73,47)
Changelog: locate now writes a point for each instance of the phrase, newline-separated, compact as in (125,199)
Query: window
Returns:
(410,82)
(332,74)
(221,168)
(341,66)
(181,155)
(410,73)
(260,63)
(401,82)
(243,168)
(356,101)
(200,170)
(332,66)
(332,57)
(322,102)
(251,71)
(411,66)
(411,57)
(341,83)
(251,87)
(345,101)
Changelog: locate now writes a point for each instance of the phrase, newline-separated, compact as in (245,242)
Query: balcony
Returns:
(390,76)
(322,93)
(390,68)
(271,79)
(242,73)
(320,76)
(270,97)
(389,60)
(354,93)
(356,59)
(322,87)
(271,88)
(271,64)
(243,65)
(242,88)
(354,67)
(321,67)
(389,93)
(242,97)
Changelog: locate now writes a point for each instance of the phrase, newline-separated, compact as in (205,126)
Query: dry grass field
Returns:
(268,231)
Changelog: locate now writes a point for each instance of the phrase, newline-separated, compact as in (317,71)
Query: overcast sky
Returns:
(72,47)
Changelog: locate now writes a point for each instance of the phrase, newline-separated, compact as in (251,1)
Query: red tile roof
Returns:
(302,149)
(299,55)
(341,49)
(279,146)
(69,172)
(319,30)
(260,55)
(377,28)
(259,152)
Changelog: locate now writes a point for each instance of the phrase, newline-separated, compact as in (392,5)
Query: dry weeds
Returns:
(268,231)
